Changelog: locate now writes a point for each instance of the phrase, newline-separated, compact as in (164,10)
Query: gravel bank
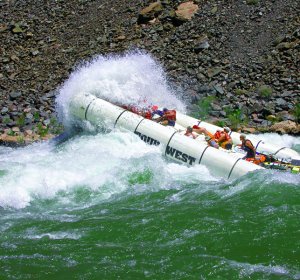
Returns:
(245,54)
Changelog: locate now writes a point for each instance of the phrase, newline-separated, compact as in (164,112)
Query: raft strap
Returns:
(203,153)
(258,144)
(87,108)
(169,142)
(233,167)
(138,125)
(279,150)
(119,117)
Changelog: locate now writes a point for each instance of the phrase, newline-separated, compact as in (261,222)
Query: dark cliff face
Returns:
(243,53)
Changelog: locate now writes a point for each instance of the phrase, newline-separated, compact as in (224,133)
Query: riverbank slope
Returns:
(241,57)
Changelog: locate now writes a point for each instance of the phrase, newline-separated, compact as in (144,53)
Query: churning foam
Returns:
(103,163)
(134,78)
(280,140)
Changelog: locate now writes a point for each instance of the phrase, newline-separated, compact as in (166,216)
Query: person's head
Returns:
(165,109)
(226,129)
(242,137)
(189,129)
(207,138)
(154,108)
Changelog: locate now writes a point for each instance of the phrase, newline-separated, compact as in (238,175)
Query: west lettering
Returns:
(184,157)
(170,151)
(180,155)
(191,160)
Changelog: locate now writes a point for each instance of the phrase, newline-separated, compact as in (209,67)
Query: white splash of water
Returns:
(280,140)
(102,163)
(134,78)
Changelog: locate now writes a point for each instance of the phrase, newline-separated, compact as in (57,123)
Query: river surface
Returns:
(105,205)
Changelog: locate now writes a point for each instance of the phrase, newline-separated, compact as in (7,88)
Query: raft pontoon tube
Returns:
(260,145)
(175,146)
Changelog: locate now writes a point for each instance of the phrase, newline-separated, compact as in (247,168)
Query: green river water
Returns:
(149,219)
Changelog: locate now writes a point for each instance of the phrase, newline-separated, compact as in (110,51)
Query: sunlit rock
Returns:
(185,11)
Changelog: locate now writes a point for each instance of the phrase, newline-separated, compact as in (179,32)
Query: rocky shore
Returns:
(241,56)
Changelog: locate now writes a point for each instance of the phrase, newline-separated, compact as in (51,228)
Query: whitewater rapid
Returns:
(108,163)
(94,162)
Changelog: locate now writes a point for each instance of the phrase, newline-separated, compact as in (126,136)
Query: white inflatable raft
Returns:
(174,145)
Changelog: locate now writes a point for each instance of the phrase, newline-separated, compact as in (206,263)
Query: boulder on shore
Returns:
(286,127)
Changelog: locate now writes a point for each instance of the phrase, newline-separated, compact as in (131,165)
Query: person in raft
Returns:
(189,133)
(168,117)
(211,142)
(199,130)
(156,111)
(225,140)
(146,113)
(248,147)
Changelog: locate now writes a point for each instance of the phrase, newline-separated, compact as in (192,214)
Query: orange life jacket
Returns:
(170,115)
(227,136)
(257,160)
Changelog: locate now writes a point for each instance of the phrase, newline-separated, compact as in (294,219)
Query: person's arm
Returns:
(157,119)
(199,130)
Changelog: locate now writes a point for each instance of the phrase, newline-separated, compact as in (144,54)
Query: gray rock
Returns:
(35,52)
(4,110)
(29,116)
(280,102)
(204,89)
(46,122)
(285,116)
(211,72)
(14,95)
(50,94)
(215,113)
(215,107)
(219,89)
(223,114)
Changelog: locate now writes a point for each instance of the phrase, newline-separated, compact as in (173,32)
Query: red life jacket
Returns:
(148,115)
(217,135)
(135,110)
(170,115)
